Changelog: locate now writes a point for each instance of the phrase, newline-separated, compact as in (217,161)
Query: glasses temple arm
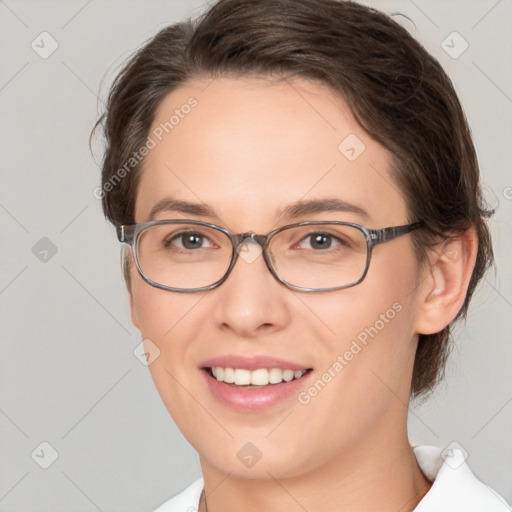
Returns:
(125,234)
(387,234)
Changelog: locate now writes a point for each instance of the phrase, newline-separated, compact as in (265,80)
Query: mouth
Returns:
(254,379)
(254,383)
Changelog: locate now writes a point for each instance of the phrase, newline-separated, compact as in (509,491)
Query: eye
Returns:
(188,240)
(319,241)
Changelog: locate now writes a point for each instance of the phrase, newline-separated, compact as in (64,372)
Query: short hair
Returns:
(396,90)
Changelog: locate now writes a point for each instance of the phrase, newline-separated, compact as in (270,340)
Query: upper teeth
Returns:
(260,377)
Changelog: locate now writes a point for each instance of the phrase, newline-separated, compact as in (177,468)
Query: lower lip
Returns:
(253,399)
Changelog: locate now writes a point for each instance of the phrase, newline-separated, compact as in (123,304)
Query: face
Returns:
(248,149)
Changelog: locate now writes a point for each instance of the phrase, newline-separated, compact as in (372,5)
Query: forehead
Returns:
(253,145)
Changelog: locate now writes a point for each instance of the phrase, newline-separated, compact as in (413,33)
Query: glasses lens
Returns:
(183,255)
(319,256)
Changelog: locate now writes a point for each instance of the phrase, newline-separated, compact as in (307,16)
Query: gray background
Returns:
(68,373)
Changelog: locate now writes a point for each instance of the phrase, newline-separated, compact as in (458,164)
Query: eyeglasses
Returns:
(194,256)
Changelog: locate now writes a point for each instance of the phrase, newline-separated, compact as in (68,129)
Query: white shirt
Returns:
(455,488)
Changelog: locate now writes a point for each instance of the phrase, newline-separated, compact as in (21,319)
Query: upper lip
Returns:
(252,363)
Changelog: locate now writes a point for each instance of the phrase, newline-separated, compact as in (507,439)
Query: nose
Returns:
(251,301)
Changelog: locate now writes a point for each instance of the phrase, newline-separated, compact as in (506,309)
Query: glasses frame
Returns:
(129,234)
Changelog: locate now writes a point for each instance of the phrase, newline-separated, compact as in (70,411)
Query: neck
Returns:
(371,476)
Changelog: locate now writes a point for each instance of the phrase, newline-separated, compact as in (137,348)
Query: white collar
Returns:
(455,488)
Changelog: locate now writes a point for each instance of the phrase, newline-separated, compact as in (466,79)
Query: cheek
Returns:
(382,306)
(167,320)
(163,318)
(366,336)
(157,312)
(363,337)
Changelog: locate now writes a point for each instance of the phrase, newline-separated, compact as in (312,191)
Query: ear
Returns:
(127,267)
(443,291)
(133,312)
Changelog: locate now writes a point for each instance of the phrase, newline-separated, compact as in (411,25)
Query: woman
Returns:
(299,194)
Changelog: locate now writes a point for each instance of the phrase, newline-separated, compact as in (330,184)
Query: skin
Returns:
(250,147)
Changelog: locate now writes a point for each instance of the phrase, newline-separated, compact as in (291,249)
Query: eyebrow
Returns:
(292,211)
(173,205)
(326,205)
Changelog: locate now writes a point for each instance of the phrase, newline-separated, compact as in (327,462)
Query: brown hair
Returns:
(398,92)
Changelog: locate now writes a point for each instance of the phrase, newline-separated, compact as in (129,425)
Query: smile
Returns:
(255,378)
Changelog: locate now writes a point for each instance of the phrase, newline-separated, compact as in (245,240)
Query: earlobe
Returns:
(443,292)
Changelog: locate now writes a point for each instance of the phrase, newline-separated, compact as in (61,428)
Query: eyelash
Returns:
(177,236)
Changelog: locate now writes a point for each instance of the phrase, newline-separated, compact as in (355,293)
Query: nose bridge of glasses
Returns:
(248,238)
(248,245)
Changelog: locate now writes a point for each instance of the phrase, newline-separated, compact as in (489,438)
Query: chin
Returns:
(255,461)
